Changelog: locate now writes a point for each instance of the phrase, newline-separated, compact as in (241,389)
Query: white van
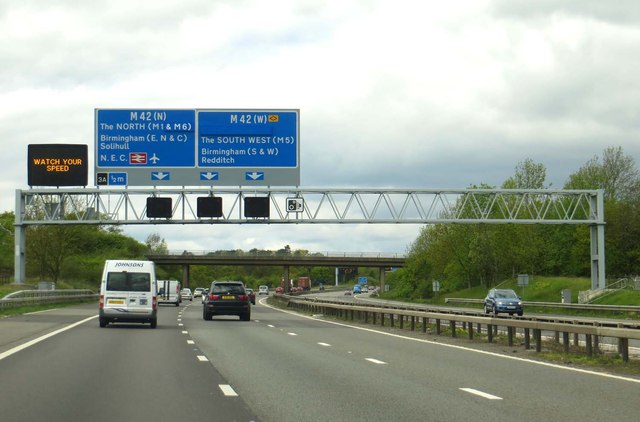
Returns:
(128,293)
(169,292)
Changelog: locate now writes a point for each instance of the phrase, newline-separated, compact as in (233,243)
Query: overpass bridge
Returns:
(335,260)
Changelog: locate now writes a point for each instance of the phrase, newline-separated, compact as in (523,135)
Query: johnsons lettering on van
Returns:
(128,293)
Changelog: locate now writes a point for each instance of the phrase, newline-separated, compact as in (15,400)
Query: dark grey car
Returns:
(227,298)
(503,300)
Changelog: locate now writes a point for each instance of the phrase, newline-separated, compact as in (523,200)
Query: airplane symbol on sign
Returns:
(138,158)
(154,159)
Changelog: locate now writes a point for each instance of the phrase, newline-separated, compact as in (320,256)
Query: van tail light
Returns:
(154,303)
(101,302)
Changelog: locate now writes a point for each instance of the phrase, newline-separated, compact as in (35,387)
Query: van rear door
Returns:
(129,292)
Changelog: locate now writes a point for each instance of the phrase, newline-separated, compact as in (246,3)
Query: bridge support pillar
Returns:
(382,279)
(185,275)
(286,275)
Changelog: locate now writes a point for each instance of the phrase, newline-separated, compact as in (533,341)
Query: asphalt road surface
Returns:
(279,367)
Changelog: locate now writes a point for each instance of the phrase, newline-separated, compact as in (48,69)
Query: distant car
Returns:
(279,290)
(503,300)
(263,290)
(347,292)
(198,292)
(357,289)
(205,293)
(186,294)
(227,298)
(252,295)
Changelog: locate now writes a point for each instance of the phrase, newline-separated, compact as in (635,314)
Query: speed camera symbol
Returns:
(295,204)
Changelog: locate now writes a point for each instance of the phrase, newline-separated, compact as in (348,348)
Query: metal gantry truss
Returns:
(319,206)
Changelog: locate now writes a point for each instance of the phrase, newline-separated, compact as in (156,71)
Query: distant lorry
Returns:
(304,283)
(169,292)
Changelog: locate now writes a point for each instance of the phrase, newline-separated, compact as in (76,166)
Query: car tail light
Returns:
(101,301)
(214,297)
(243,297)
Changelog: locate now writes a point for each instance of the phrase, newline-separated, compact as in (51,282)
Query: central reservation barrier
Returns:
(473,325)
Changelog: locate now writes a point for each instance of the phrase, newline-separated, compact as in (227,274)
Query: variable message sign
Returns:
(57,165)
(197,147)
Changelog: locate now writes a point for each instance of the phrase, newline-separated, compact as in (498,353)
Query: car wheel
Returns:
(177,303)
(206,316)
(486,309)
(154,323)
(103,322)
(520,313)
(246,316)
(495,311)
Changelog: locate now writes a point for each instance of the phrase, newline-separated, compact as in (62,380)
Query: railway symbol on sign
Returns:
(138,158)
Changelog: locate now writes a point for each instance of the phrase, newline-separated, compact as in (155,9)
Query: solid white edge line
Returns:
(468,349)
(44,337)
(227,390)
(40,312)
(481,393)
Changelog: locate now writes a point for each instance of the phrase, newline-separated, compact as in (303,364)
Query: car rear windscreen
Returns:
(129,282)
(234,289)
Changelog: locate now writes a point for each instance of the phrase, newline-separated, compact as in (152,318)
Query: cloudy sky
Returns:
(392,93)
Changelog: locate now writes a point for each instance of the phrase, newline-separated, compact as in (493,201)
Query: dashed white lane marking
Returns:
(271,326)
(185,332)
(325,344)
(292,334)
(376,361)
(202,358)
(481,394)
(181,325)
(227,390)
(191,342)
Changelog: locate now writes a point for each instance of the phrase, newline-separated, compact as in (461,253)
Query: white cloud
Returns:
(426,95)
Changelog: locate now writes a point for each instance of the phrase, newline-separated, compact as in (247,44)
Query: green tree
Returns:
(156,244)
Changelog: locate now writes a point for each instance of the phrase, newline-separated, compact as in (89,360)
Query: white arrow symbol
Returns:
(154,159)
(255,175)
(209,175)
(160,175)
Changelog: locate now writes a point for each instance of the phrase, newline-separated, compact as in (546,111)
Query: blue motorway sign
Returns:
(145,138)
(197,147)
(247,138)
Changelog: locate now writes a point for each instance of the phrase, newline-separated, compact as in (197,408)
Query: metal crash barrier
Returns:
(37,297)
(475,325)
